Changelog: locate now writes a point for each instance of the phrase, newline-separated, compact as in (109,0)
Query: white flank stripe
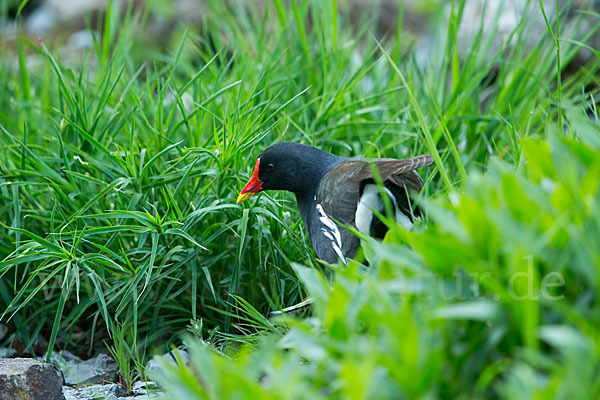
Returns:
(330,224)
(332,234)
(327,234)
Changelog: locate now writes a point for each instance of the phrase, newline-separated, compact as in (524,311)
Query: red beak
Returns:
(253,186)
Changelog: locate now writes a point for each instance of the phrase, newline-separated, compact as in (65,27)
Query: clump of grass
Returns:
(124,351)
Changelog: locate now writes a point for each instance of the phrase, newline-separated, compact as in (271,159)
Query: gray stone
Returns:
(70,393)
(141,390)
(153,367)
(141,387)
(76,371)
(146,389)
(26,378)
(109,391)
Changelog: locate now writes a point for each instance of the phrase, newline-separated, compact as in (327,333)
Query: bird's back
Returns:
(348,194)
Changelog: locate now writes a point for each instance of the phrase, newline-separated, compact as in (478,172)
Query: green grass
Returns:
(119,169)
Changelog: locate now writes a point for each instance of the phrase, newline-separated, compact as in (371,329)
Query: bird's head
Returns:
(287,166)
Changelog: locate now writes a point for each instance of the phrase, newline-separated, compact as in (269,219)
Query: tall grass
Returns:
(119,172)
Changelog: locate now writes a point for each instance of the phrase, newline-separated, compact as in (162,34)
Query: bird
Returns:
(334,191)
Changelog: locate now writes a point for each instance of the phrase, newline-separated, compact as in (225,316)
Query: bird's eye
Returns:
(270,167)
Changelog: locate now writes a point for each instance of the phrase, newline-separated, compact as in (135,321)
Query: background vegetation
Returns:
(119,172)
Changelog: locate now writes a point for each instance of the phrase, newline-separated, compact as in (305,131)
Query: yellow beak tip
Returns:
(243,197)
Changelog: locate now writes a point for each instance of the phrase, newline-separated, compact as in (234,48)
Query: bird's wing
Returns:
(341,188)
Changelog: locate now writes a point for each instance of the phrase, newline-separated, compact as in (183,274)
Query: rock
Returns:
(70,393)
(6,352)
(76,371)
(110,391)
(141,390)
(150,395)
(153,367)
(26,378)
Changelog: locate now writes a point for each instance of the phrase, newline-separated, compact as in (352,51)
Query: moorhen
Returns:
(333,191)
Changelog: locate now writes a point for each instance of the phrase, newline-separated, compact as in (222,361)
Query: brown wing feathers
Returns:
(341,188)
